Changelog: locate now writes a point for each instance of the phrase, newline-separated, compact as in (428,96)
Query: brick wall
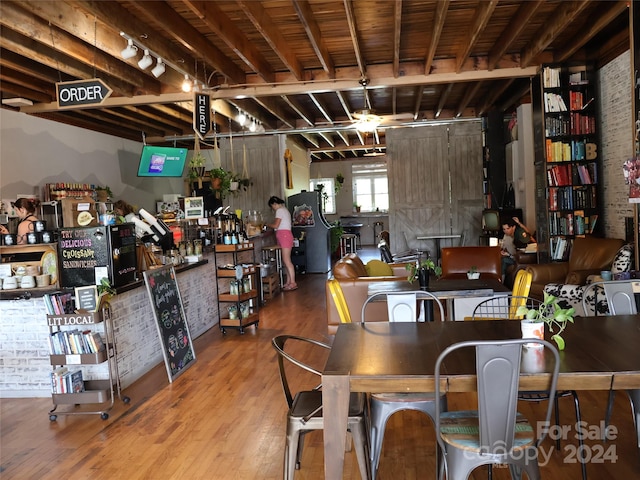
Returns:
(24,351)
(616,146)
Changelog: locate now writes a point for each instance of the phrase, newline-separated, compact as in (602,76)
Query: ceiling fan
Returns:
(366,121)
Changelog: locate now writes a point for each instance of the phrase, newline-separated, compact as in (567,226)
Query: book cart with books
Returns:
(567,158)
(238,286)
(78,341)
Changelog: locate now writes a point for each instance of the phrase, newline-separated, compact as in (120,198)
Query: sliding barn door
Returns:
(435,183)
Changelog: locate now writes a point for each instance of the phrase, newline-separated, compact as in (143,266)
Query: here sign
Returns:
(82,93)
(202,114)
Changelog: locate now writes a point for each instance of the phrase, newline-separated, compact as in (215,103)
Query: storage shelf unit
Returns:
(245,302)
(567,158)
(98,393)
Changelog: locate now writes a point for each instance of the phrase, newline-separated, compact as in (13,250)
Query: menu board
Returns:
(166,303)
(80,251)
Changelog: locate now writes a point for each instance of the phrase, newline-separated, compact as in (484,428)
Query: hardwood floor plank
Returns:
(224,418)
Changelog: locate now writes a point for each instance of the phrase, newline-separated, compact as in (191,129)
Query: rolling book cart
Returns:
(75,344)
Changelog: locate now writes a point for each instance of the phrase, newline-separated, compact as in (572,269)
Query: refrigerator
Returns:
(85,255)
(312,231)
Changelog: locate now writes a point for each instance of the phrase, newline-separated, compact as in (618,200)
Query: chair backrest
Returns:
(497,364)
(338,298)
(620,298)
(402,306)
(385,253)
(503,307)
(279,343)
(522,284)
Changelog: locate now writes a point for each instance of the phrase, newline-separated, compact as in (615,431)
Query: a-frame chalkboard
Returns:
(166,303)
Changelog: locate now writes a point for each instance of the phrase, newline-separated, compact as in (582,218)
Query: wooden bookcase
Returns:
(566,131)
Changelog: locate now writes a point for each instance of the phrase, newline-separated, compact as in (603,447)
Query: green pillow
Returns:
(377,268)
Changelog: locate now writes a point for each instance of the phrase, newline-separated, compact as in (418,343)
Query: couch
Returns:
(456,262)
(589,255)
(354,280)
(572,295)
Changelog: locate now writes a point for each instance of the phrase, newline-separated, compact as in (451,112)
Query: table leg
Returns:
(634,395)
(335,401)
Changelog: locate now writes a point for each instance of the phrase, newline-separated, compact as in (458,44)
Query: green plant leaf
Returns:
(559,341)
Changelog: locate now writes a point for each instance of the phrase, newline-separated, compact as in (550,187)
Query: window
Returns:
(370,186)
(328,193)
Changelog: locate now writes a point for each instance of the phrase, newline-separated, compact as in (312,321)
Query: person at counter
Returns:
(282,226)
(26,209)
(124,212)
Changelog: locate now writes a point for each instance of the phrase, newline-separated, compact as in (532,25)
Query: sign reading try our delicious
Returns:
(82,93)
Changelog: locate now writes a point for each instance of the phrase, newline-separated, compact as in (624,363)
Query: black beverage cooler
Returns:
(110,248)
(308,218)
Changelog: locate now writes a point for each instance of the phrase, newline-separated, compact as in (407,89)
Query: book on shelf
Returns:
(551,77)
(76,382)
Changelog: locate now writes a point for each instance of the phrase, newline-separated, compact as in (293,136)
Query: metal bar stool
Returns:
(378,227)
(347,244)
(273,253)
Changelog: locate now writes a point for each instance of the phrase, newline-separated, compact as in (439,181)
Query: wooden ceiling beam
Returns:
(305,14)
(20,90)
(353,32)
(311,139)
(397,34)
(470,92)
(438,23)
(275,108)
(497,90)
(591,28)
(61,26)
(562,17)
(215,19)
(321,108)
(263,23)
(443,99)
(298,109)
(516,26)
(418,101)
(482,16)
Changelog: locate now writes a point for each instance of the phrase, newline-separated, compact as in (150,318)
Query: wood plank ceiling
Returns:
(296,66)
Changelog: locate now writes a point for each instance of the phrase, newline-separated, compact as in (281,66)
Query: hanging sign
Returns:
(202,114)
(82,92)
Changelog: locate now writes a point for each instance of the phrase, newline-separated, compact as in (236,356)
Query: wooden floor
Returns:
(224,418)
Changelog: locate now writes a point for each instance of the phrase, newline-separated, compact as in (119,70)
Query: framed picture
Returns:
(87,298)
(193,207)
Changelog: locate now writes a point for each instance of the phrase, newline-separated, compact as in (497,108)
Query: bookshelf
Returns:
(75,344)
(238,286)
(567,158)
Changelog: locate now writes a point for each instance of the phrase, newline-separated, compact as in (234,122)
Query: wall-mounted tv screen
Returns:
(162,161)
(491,220)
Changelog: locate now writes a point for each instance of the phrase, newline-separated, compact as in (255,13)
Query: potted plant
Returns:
(244,183)
(220,181)
(196,166)
(421,270)
(103,193)
(356,207)
(550,313)
(473,273)
(336,232)
(339,182)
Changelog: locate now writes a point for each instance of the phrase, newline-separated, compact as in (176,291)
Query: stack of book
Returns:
(65,381)
(75,342)
(59,303)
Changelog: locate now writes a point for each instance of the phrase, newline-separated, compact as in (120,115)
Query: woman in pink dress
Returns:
(282,226)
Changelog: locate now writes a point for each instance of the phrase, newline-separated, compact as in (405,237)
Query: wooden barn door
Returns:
(435,183)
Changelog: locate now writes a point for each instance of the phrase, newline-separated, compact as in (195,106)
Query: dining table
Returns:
(445,289)
(601,353)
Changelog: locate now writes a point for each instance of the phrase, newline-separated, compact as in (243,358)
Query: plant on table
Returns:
(426,264)
(550,312)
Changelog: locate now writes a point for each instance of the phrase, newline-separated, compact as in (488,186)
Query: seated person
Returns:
(516,235)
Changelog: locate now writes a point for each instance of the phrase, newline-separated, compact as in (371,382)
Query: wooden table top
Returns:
(598,350)
(444,288)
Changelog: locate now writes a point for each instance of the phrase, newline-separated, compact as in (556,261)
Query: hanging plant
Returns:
(339,182)
(220,182)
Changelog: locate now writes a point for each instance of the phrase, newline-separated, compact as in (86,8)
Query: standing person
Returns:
(26,209)
(282,226)
(123,211)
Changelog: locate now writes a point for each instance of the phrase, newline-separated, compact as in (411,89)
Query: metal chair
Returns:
(305,409)
(621,301)
(338,298)
(495,433)
(402,307)
(506,308)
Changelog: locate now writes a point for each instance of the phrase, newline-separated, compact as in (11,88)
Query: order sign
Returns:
(82,92)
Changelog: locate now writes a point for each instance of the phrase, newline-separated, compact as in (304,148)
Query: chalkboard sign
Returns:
(171,321)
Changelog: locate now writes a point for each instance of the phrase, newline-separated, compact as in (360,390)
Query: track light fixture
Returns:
(187,84)
(146,61)
(129,51)
(242,119)
(158,69)
(252,126)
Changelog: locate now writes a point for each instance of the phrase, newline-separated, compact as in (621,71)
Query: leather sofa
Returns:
(456,262)
(352,275)
(589,255)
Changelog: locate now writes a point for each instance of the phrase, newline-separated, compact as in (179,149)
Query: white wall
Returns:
(35,151)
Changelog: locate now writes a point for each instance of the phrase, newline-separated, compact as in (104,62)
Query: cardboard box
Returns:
(73,207)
